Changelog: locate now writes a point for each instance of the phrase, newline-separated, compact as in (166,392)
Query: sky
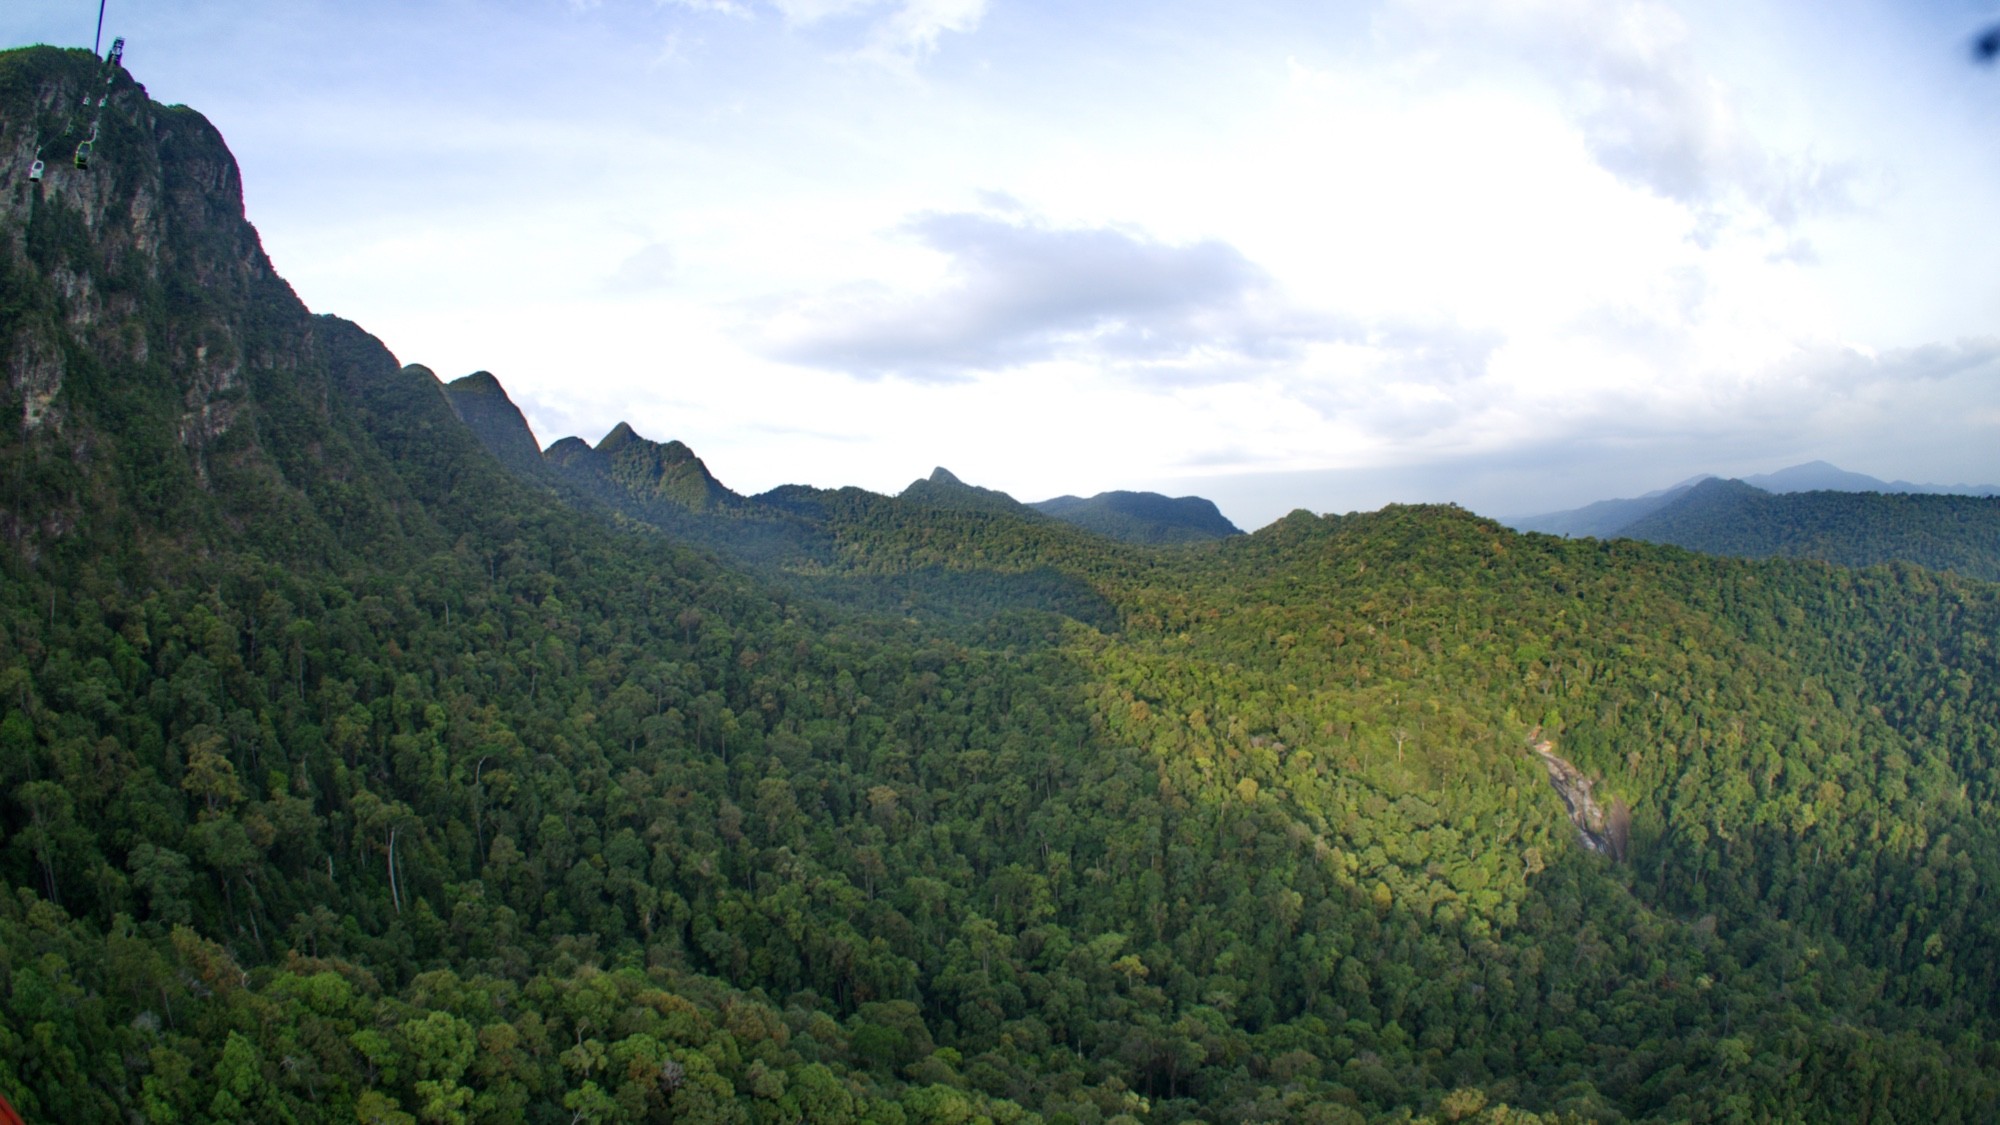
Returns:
(1514,254)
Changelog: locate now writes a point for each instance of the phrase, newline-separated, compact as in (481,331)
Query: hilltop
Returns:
(1812,511)
(1942,532)
(1143,517)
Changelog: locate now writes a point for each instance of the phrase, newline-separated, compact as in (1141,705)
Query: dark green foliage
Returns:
(941,490)
(652,473)
(481,403)
(1957,533)
(1142,517)
(347,774)
(668,487)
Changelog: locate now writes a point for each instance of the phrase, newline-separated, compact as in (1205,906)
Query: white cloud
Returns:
(649,267)
(914,28)
(1019,291)
(1629,73)
(722,7)
(897,33)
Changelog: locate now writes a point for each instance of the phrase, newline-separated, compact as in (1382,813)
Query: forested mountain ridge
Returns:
(944,490)
(654,472)
(811,540)
(1142,517)
(1775,516)
(1956,533)
(666,484)
(348,773)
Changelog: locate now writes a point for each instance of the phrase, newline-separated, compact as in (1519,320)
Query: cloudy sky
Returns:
(1519,254)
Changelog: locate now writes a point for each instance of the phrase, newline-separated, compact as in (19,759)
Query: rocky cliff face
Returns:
(1606,832)
(158,372)
(160,204)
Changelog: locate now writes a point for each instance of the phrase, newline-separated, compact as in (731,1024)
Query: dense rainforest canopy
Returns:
(358,763)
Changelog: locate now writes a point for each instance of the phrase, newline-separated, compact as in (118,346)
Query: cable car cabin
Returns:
(118,51)
(35,172)
(83,155)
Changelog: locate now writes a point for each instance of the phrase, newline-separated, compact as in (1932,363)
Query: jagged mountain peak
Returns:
(627,468)
(620,436)
(624,440)
(942,489)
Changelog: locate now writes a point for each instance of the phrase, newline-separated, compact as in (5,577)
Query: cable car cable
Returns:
(110,67)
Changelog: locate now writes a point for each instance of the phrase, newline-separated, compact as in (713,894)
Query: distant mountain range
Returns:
(1812,511)
(665,483)
(1605,519)
(1819,476)
(1610,519)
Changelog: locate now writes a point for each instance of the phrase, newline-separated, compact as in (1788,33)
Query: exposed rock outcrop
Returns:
(1602,831)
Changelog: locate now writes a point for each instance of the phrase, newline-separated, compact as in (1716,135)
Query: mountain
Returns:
(644,471)
(1607,519)
(350,770)
(943,490)
(482,404)
(1818,476)
(1142,517)
(1846,526)
(1604,519)
(173,394)
(789,535)
(1942,532)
